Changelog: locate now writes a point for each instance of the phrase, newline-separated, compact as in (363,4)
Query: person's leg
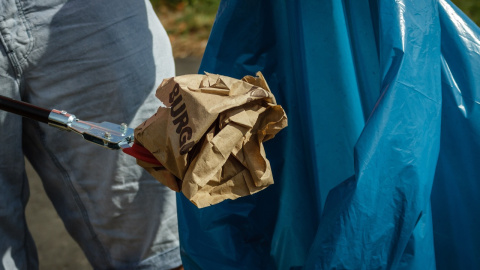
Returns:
(17,250)
(101,60)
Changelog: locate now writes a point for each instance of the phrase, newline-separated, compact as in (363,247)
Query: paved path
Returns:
(56,249)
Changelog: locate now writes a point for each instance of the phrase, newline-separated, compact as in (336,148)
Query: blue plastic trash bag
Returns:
(380,165)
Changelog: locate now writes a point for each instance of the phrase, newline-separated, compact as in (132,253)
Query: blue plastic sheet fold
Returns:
(380,165)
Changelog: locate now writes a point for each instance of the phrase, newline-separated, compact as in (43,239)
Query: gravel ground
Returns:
(56,249)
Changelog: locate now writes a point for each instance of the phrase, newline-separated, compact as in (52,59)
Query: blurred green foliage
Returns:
(471,8)
(193,16)
(202,6)
(188,24)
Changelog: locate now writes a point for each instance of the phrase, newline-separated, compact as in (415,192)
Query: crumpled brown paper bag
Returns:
(209,136)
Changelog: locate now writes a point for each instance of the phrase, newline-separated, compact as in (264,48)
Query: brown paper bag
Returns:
(209,136)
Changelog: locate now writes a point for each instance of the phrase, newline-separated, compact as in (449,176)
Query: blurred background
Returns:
(188,24)
(471,8)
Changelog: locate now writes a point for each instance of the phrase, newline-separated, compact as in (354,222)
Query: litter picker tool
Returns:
(105,134)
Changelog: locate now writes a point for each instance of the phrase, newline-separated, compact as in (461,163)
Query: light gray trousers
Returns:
(100,60)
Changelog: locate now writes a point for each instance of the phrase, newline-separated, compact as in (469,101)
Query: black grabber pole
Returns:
(24,109)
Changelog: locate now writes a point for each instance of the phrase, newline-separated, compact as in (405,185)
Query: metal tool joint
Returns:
(106,134)
(61,119)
